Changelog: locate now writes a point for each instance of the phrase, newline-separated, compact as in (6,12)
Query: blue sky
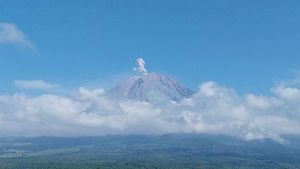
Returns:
(246,45)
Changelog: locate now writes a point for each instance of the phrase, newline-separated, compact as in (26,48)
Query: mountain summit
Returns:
(151,86)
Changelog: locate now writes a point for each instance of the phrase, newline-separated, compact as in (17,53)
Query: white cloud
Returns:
(286,92)
(213,109)
(262,102)
(35,84)
(10,34)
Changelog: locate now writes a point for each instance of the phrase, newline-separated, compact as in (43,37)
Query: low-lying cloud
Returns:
(35,84)
(213,109)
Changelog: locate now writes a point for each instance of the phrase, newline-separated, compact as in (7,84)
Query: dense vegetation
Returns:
(141,151)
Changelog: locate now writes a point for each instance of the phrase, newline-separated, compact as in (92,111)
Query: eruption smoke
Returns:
(140,66)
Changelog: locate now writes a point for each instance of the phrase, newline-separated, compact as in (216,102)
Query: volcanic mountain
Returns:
(151,86)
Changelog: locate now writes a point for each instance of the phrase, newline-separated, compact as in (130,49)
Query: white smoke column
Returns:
(140,66)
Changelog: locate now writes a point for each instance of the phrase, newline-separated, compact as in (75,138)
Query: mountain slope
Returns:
(151,86)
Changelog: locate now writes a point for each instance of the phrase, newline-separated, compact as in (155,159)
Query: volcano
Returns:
(151,86)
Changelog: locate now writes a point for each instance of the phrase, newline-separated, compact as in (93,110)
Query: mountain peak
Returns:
(151,86)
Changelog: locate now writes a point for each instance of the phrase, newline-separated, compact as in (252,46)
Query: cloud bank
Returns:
(10,34)
(35,84)
(213,109)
